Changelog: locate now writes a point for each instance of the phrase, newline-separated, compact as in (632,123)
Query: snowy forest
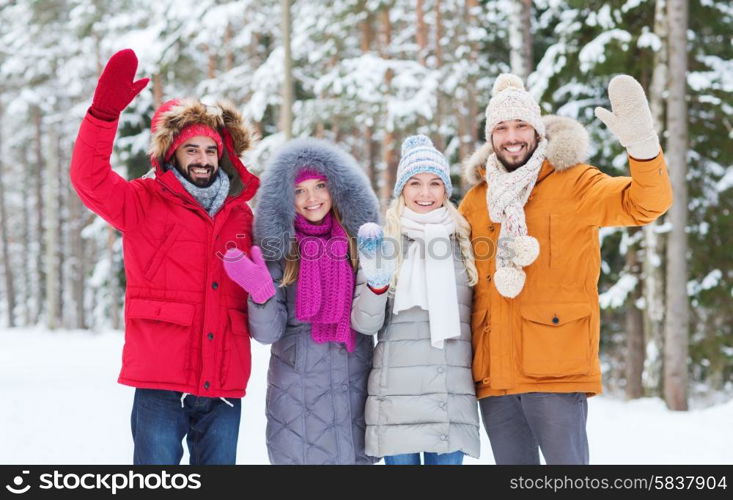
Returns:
(365,74)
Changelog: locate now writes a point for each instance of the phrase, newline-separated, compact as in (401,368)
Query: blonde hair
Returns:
(292,260)
(393,230)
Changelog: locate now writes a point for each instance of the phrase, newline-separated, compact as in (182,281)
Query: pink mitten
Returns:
(252,275)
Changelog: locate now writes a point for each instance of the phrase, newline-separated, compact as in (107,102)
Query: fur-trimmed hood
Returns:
(175,115)
(350,190)
(567,146)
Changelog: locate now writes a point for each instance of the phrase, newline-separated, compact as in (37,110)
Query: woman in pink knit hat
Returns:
(300,279)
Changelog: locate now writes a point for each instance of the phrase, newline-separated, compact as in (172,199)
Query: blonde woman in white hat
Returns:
(417,299)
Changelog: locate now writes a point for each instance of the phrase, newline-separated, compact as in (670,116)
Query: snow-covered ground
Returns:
(61,404)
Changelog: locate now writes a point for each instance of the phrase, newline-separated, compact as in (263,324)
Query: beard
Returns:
(512,162)
(196,179)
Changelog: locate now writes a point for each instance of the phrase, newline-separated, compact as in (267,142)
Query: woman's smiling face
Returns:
(312,199)
(424,193)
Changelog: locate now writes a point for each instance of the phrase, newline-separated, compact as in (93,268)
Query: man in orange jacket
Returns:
(535,209)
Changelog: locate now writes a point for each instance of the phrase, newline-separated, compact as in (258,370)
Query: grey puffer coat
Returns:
(315,392)
(420,398)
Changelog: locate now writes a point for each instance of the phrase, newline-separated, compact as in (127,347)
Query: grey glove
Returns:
(631,119)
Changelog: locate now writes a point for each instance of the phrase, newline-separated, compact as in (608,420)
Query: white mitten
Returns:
(631,119)
(376,258)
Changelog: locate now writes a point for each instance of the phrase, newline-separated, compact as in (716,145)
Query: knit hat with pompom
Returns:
(420,156)
(511,101)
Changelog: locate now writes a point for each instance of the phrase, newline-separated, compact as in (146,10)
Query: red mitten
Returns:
(116,88)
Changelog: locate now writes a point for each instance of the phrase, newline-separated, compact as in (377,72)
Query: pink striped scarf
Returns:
(325,281)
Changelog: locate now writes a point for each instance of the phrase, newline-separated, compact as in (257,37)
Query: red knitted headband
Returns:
(194,130)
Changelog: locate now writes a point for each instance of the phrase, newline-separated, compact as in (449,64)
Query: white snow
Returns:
(616,295)
(595,51)
(710,280)
(62,405)
(649,39)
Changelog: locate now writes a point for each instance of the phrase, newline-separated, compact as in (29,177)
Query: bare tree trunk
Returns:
(389,153)
(28,274)
(4,227)
(390,160)
(634,327)
(439,31)
(52,269)
(286,118)
(653,269)
(211,71)
(255,60)
(421,39)
(467,126)
(229,53)
(7,263)
(438,138)
(115,292)
(157,90)
(421,33)
(370,150)
(76,269)
(38,171)
(366,29)
(520,38)
(676,335)
(61,180)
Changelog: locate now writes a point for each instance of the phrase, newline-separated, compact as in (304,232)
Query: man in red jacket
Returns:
(187,349)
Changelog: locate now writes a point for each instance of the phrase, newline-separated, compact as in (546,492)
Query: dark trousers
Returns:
(159,424)
(520,425)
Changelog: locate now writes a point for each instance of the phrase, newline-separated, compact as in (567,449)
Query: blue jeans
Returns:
(520,425)
(159,424)
(454,458)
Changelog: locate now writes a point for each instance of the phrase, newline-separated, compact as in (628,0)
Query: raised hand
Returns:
(116,88)
(630,119)
(376,258)
(251,274)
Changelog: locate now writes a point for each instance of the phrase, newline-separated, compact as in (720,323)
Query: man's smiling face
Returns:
(514,141)
(198,160)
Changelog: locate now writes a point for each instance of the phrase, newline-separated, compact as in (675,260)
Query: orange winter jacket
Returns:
(547,338)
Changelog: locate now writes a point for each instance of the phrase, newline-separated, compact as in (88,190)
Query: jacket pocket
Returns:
(237,364)
(157,341)
(556,340)
(162,252)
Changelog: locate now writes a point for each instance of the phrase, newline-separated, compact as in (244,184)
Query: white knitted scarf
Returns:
(506,196)
(427,276)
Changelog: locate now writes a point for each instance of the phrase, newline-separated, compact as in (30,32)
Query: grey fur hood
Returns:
(567,146)
(348,185)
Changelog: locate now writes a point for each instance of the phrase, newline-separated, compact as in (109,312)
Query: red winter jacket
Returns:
(185,321)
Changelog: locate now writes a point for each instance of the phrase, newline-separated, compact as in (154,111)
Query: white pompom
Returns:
(506,80)
(526,249)
(509,281)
